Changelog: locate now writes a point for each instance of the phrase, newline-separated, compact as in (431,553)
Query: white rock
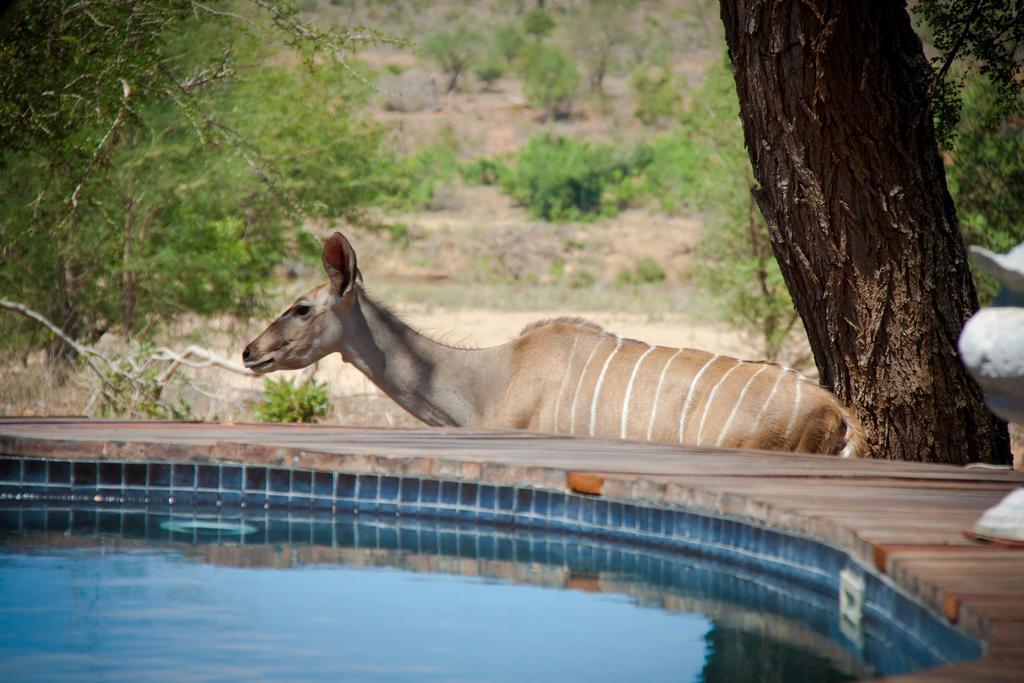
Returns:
(1004,519)
(992,349)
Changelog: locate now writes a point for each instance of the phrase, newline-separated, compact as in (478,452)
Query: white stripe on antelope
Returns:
(564,375)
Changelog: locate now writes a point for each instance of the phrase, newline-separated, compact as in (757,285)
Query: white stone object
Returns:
(992,348)
(992,341)
(1004,520)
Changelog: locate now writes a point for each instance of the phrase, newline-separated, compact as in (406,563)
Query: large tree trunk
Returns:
(834,101)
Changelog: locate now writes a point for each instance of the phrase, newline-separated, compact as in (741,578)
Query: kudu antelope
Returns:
(565,375)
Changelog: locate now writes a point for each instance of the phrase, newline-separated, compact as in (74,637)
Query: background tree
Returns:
(599,29)
(453,49)
(489,70)
(550,80)
(509,42)
(538,23)
(144,177)
(658,96)
(839,130)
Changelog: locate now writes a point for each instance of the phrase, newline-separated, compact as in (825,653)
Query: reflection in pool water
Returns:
(131,595)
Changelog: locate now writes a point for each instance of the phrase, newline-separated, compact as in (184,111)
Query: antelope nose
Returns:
(246,355)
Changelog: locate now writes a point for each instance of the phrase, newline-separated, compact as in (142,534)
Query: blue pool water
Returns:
(111,595)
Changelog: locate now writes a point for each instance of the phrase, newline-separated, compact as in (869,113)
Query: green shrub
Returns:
(489,70)
(483,171)
(658,96)
(453,50)
(550,80)
(559,178)
(538,23)
(645,271)
(284,401)
(415,179)
(580,279)
(986,177)
(509,42)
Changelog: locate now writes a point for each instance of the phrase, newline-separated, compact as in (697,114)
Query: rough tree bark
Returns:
(834,101)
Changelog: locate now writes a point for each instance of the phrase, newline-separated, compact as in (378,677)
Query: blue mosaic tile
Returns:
(504,549)
(524,500)
(556,505)
(134,475)
(506,498)
(255,478)
(572,507)
(628,516)
(278,501)
(83,474)
(614,514)
(485,547)
(449,493)
(345,486)
(322,533)
(587,510)
(468,494)
(540,503)
(111,474)
(656,521)
(253,499)
(302,481)
(279,480)
(488,497)
(230,478)
(430,491)
(368,484)
(230,498)
(58,472)
(323,484)
(208,477)
(643,520)
(389,488)
(160,475)
(449,543)
(183,476)
(409,490)
(205,498)
(10,470)
(33,471)
(429,541)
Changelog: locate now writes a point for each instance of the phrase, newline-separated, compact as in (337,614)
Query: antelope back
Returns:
(612,387)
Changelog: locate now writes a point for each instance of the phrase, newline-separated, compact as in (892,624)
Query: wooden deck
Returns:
(905,519)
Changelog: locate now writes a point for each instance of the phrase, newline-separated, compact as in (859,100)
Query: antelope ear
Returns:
(340,263)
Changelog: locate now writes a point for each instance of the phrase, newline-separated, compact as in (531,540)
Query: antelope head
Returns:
(312,326)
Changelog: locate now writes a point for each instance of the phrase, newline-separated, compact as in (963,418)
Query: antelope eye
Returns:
(302,309)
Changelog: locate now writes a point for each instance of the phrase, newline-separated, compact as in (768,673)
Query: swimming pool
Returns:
(325,574)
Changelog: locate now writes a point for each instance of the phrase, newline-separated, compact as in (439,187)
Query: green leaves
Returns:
(550,79)
(559,178)
(159,155)
(986,37)
(285,401)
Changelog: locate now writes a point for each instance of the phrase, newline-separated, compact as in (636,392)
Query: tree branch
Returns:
(116,368)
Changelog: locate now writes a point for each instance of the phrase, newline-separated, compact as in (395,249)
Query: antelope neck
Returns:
(439,384)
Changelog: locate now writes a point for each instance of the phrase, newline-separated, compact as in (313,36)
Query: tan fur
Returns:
(565,375)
